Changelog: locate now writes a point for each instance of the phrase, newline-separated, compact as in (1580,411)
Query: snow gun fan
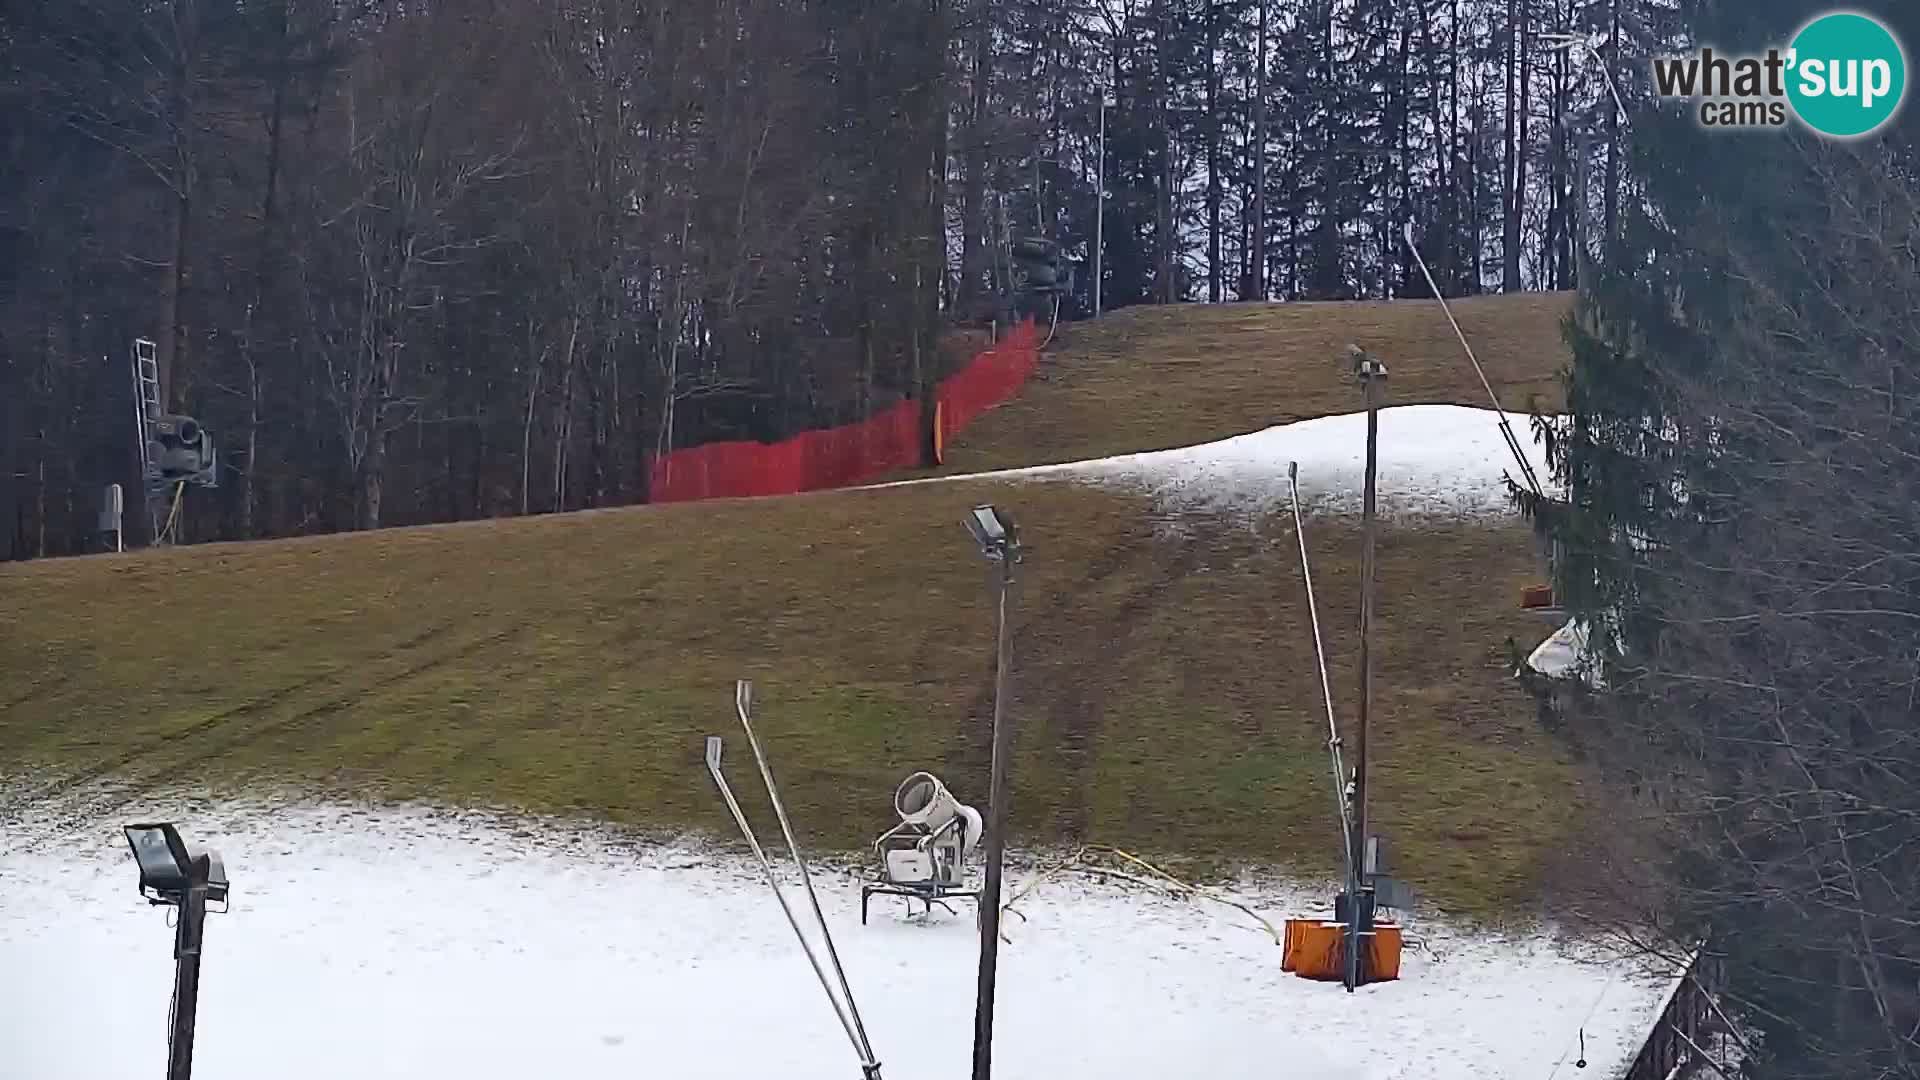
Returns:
(175,450)
(924,857)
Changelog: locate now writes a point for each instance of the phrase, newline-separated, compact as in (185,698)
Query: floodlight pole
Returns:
(1006,558)
(186,979)
(1372,375)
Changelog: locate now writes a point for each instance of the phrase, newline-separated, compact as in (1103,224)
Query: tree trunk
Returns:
(973,247)
(930,273)
(1328,280)
(173,351)
(1476,227)
(1164,240)
(1613,134)
(11,429)
(1511,167)
(563,420)
(1553,248)
(1397,253)
(1213,152)
(1523,151)
(1449,256)
(373,476)
(1257,257)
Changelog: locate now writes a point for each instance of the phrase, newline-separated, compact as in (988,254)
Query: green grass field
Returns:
(1165,698)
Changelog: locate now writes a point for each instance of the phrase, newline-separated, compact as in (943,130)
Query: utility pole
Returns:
(186,954)
(1001,545)
(1373,376)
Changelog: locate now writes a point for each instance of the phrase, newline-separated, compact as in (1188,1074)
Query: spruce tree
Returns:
(1741,518)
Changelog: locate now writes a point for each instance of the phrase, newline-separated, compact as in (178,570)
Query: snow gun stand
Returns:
(924,857)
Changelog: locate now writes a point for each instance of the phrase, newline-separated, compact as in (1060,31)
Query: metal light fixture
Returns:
(175,875)
(166,865)
(995,532)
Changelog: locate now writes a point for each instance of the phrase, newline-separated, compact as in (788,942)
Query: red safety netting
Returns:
(852,453)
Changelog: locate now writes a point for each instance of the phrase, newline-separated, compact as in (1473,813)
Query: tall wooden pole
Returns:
(1373,375)
(997,795)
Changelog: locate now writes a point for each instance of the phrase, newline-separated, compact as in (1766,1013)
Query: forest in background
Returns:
(426,262)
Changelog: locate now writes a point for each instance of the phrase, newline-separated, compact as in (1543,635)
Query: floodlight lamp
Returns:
(168,867)
(161,856)
(994,531)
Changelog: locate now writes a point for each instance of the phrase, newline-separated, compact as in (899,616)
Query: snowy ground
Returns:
(1441,460)
(435,944)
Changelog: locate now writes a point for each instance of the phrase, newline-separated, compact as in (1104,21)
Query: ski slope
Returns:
(426,943)
(1434,460)
(417,944)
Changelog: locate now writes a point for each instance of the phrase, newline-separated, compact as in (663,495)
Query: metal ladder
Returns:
(146,396)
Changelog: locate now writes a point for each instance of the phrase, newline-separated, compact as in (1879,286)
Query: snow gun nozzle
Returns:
(1293,472)
(713,752)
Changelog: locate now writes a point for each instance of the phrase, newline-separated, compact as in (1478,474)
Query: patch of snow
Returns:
(411,943)
(1434,460)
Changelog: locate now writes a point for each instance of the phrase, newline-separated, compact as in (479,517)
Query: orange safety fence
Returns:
(850,454)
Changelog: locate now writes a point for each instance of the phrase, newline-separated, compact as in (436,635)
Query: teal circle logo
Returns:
(1848,75)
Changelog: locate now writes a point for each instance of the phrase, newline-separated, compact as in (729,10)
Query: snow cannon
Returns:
(923,858)
(924,801)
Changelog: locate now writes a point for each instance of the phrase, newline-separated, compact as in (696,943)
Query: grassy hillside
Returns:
(1165,695)
(1150,378)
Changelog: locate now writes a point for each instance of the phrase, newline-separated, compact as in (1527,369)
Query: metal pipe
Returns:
(773,881)
(1326,687)
(742,702)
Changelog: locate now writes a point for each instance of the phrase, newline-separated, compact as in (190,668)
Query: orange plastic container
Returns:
(1316,949)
